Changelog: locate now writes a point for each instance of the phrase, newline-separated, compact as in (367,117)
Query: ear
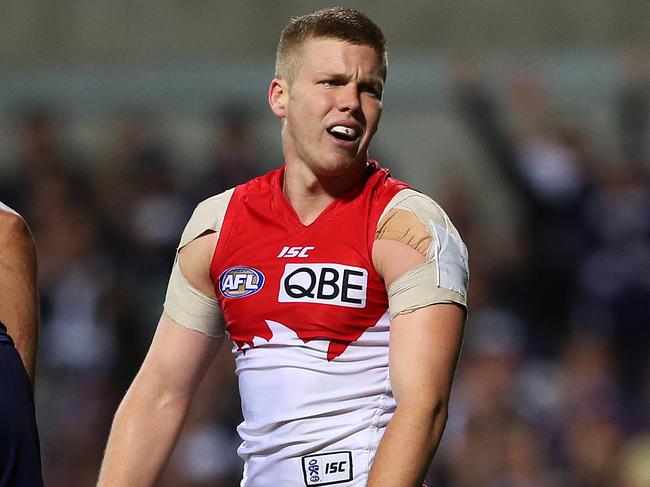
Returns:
(278,96)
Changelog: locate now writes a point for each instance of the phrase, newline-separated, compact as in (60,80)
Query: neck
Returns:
(309,194)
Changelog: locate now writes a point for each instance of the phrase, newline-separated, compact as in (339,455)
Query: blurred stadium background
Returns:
(528,121)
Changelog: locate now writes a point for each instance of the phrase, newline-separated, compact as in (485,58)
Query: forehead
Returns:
(335,56)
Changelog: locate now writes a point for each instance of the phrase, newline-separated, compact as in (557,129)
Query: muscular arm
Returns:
(18,287)
(149,420)
(424,349)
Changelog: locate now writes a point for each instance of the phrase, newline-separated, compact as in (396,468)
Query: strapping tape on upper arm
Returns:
(184,303)
(190,307)
(444,275)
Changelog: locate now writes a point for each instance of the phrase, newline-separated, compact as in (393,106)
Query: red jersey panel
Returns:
(318,279)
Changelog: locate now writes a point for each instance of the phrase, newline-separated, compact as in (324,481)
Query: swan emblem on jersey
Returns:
(240,281)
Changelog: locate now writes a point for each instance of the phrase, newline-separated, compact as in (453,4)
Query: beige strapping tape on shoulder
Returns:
(184,303)
(416,220)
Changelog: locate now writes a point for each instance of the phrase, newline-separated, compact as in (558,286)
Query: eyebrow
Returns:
(372,80)
(375,85)
(326,74)
(342,75)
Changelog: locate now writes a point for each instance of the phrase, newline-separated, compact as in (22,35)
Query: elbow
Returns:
(154,395)
(431,411)
(438,412)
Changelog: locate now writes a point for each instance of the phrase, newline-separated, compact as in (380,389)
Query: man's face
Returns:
(332,106)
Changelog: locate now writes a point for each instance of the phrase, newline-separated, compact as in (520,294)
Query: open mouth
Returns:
(341,132)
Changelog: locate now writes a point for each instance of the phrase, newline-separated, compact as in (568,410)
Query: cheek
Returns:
(373,114)
(308,110)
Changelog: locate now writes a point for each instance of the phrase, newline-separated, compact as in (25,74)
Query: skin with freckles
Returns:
(335,83)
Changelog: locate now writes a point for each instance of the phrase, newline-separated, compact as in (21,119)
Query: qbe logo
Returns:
(327,468)
(238,282)
(334,284)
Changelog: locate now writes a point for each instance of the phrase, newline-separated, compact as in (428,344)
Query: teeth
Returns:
(346,131)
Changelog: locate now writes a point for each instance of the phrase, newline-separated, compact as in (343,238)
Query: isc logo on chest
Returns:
(295,252)
(333,284)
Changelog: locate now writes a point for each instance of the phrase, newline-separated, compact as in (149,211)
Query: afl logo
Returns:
(238,282)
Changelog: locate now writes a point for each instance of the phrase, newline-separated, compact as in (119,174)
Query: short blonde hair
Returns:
(346,24)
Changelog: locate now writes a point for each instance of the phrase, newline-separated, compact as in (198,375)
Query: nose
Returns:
(348,98)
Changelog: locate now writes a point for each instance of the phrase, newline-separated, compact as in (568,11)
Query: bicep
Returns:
(191,300)
(424,349)
(393,259)
(17,250)
(424,343)
(423,262)
(18,290)
(195,259)
(177,359)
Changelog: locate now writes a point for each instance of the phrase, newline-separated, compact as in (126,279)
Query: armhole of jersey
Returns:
(392,189)
(400,196)
(227,222)
(207,218)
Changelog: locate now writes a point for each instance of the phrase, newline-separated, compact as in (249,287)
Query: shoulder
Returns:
(13,229)
(207,217)
(10,218)
(416,220)
(209,214)
(413,203)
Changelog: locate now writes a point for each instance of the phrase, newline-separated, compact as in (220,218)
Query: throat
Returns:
(309,195)
(309,208)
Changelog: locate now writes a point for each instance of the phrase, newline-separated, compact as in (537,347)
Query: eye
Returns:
(330,82)
(373,90)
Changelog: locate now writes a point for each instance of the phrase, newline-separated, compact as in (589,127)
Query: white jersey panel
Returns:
(296,406)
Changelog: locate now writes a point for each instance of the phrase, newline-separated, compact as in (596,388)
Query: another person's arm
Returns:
(18,286)
(149,420)
(425,339)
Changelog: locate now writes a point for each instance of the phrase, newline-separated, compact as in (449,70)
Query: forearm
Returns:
(144,431)
(408,446)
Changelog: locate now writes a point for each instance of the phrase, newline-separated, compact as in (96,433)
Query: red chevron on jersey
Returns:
(317,280)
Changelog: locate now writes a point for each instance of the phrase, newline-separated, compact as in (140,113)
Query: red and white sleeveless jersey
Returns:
(307,315)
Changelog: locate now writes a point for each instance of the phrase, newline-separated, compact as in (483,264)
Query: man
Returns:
(20,460)
(304,264)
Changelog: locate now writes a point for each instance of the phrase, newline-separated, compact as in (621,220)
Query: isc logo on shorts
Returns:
(327,468)
(238,282)
(334,284)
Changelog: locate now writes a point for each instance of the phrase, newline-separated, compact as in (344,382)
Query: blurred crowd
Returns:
(553,387)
